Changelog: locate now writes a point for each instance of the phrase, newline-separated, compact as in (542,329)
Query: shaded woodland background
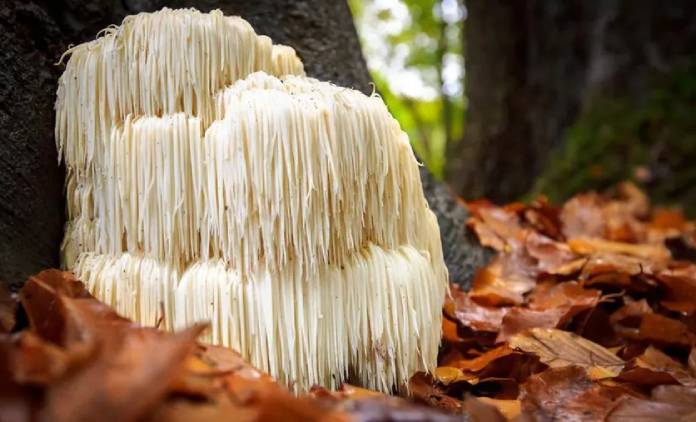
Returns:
(501,99)
(510,99)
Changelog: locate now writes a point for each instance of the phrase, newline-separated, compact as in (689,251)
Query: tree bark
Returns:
(35,33)
(533,65)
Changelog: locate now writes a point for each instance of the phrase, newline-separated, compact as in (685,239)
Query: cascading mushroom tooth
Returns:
(286,211)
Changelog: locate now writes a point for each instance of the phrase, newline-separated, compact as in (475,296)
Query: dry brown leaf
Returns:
(680,289)
(479,410)
(8,308)
(593,245)
(510,409)
(473,315)
(496,227)
(504,281)
(520,319)
(566,394)
(449,331)
(653,368)
(447,375)
(582,216)
(626,320)
(423,390)
(478,363)
(559,349)
(544,218)
(665,331)
(668,404)
(550,254)
(568,295)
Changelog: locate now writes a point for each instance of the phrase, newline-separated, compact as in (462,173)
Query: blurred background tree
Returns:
(511,99)
(415,56)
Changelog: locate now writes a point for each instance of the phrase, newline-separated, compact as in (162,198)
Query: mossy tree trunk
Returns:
(533,66)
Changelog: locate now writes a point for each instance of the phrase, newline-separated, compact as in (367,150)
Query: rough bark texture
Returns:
(35,33)
(533,65)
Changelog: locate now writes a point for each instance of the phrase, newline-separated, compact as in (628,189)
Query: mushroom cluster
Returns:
(209,179)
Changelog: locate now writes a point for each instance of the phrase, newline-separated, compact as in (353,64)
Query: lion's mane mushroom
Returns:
(287,211)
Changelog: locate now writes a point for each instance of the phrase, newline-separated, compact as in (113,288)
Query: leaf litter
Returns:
(588,312)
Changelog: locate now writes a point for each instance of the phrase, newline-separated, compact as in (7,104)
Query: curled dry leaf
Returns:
(550,306)
(480,362)
(670,403)
(479,410)
(510,409)
(520,319)
(566,393)
(8,308)
(560,349)
(592,245)
(654,368)
(568,295)
(496,227)
(665,331)
(504,281)
(473,315)
(626,320)
(582,216)
(680,289)
(424,390)
(544,218)
(552,256)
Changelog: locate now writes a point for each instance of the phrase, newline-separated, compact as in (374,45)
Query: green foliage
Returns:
(650,139)
(420,45)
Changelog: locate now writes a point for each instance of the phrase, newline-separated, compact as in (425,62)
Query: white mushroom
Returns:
(287,211)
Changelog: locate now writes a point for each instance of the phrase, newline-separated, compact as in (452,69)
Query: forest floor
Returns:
(588,312)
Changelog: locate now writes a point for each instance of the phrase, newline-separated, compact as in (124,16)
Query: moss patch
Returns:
(649,138)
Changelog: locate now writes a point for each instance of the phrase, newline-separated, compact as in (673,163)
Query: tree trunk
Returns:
(533,65)
(34,35)
(523,70)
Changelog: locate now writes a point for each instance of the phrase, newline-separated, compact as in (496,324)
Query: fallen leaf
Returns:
(389,409)
(569,295)
(8,308)
(550,254)
(510,409)
(449,331)
(122,383)
(680,289)
(478,363)
(566,393)
(520,319)
(668,403)
(504,281)
(592,245)
(479,410)
(582,216)
(666,331)
(559,349)
(447,375)
(544,218)
(626,320)
(654,368)
(473,315)
(496,227)
(423,390)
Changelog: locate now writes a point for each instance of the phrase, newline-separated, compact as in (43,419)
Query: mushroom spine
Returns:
(209,178)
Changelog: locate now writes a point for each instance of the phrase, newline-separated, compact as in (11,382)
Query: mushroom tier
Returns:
(153,64)
(374,320)
(294,170)
(289,212)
